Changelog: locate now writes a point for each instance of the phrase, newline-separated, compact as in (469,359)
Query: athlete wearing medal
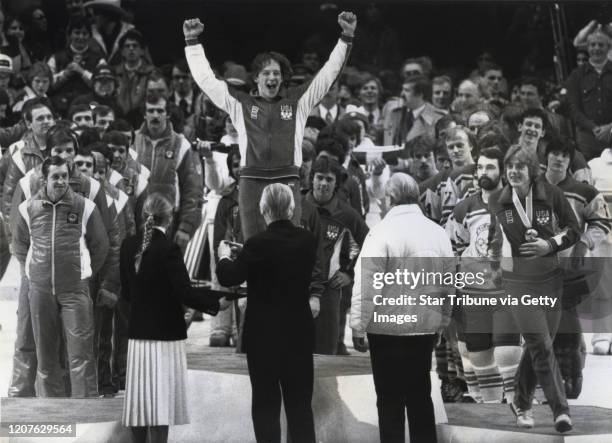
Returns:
(533,221)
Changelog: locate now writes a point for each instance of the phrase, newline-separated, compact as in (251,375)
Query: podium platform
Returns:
(344,403)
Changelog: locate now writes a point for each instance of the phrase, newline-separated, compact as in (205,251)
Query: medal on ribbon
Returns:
(525,214)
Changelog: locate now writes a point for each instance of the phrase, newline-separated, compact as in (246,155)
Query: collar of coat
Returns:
(588,67)
(67,198)
(407,209)
(331,206)
(429,113)
(539,193)
(30,146)
(144,130)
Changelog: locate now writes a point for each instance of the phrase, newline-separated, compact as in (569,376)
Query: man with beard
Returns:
(590,98)
(271,122)
(416,116)
(533,127)
(423,165)
(175,170)
(52,250)
(594,223)
(490,357)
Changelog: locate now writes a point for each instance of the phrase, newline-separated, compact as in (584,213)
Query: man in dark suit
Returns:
(277,265)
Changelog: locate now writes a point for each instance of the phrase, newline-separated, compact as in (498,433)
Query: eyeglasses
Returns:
(80,163)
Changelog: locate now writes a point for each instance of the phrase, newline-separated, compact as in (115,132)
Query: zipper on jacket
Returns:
(269,159)
(53,252)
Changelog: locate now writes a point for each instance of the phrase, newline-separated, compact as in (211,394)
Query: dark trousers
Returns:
(287,372)
(327,323)
(401,367)
(538,364)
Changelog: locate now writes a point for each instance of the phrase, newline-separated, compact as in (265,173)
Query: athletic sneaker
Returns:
(524,418)
(563,423)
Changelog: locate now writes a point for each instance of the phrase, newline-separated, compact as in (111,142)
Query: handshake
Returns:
(192,28)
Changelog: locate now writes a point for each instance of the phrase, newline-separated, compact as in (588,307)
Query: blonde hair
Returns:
(157,211)
(277,201)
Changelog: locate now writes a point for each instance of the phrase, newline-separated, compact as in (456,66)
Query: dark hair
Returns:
(102,148)
(87,151)
(234,153)
(101,111)
(324,165)
(494,153)
(331,143)
(78,23)
(133,34)
(89,136)
(533,81)
(491,135)
(35,103)
(421,85)
(470,136)
(536,113)
(263,59)
(75,109)
(59,134)
(492,66)
(181,65)
(40,69)
(349,128)
(116,138)
(121,125)
(54,160)
(560,144)
(422,144)
(443,123)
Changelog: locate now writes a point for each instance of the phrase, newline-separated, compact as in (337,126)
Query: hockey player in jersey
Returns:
(490,353)
(271,121)
(533,222)
(594,222)
(461,183)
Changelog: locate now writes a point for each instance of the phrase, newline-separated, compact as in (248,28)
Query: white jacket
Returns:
(404,239)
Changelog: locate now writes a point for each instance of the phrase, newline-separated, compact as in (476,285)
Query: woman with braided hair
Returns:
(154,280)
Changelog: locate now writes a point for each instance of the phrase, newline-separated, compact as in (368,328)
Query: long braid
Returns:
(146,240)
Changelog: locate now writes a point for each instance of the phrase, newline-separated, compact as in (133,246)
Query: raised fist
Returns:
(192,28)
(348,22)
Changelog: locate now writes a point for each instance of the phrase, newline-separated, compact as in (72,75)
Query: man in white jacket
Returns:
(401,333)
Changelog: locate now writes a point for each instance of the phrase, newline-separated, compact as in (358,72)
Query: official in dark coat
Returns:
(278,329)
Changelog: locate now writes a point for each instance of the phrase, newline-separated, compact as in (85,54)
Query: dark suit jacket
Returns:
(157,293)
(277,265)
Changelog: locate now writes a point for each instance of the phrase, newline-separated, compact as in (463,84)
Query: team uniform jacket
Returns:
(60,243)
(468,230)
(25,155)
(90,189)
(269,133)
(343,231)
(553,218)
(175,172)
(404,238)
(591,211)
(430,198)
(460,184)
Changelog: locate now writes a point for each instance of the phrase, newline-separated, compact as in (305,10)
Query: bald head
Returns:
(402,189)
